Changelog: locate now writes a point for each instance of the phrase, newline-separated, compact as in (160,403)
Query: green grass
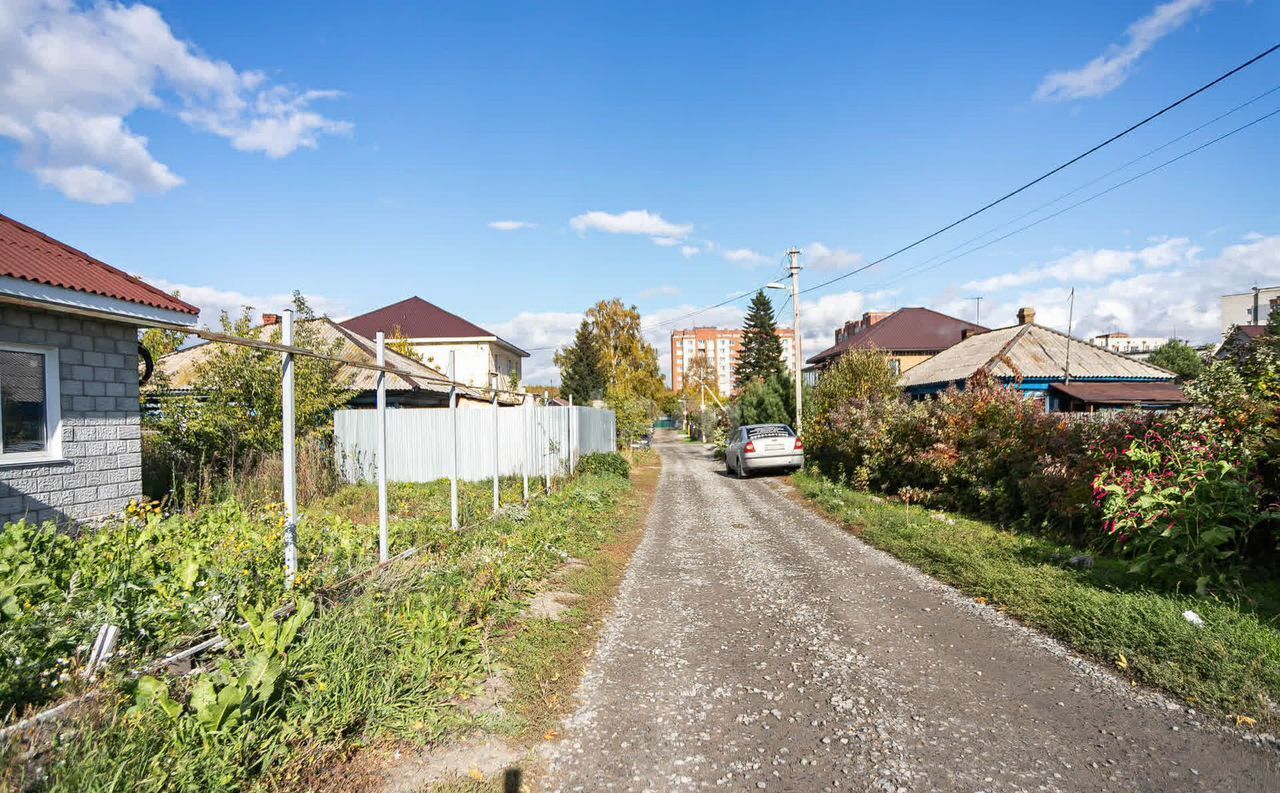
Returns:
(391,663)
(1230,667)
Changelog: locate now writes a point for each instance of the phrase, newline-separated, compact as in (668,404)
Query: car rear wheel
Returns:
(742,470)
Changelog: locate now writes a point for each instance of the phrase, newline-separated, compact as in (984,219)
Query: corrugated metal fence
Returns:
(418,441)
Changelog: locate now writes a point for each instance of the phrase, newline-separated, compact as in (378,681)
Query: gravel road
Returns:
(756,646)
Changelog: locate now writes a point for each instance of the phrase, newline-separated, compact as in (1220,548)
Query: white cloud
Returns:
(688,251)
(666,242)
(1169,293)
(70,76)
(744,256)
(212,301)
(1089,266)
(1109,70)
(635,221)
(541,334)
(820,257)
(511,225)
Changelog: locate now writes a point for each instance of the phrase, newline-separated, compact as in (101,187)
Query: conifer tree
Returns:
(760,356)
(581,374)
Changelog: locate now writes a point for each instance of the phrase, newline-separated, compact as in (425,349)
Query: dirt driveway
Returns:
(756,646)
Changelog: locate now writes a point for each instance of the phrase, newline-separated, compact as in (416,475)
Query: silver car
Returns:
(759,447)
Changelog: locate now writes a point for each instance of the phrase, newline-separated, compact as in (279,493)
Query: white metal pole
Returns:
(495,446)
(795,302)
(572,439)
(289,454)
(546,447)
(384,535)
(453,441)
(524,446)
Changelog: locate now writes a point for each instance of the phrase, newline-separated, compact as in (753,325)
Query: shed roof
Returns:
(1028,351)
(181,367)
(418,319)
(1123,393)
(29,255)
(911,329)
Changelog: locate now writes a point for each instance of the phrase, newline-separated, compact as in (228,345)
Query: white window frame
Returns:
(52,408)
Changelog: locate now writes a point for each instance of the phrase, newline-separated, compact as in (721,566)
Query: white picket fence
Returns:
(419,441)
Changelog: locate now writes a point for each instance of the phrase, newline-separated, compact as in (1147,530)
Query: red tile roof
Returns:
(31,256)
(415,318)
(905,330)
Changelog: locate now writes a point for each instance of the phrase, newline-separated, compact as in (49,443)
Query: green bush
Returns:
(605,464)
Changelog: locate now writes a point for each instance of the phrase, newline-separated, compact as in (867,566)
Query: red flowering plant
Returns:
(1177,496)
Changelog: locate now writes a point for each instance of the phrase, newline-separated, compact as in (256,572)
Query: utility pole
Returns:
(794,253)
(977,309)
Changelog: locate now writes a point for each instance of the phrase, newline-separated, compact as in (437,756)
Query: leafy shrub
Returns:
(605,464)
(1178,500)
(771,401)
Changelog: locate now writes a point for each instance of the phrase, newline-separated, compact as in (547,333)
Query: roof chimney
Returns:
(1026,315)
(270,319)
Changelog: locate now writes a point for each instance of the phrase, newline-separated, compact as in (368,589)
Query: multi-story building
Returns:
(907,337)
(1130,345)
(1249,308)
(720,347)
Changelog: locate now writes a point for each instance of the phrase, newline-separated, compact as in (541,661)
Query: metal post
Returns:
(453,441)
(384,536)
(289,454)
(794,253)
(495,446)
(546,447)
(524,445)
(569,432)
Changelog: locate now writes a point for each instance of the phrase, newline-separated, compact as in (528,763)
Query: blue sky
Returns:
(240,151)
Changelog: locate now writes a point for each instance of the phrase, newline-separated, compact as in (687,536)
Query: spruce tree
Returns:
(760,356)
(580,372)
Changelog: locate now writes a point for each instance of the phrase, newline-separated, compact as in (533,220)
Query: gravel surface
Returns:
(756,646)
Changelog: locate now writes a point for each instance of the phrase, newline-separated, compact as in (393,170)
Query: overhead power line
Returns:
(920,269)
(1051,172)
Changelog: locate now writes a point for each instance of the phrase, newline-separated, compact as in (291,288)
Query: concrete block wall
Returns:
(101,469)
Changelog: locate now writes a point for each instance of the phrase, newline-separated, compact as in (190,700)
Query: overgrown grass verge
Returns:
(1229,667)
(392,662)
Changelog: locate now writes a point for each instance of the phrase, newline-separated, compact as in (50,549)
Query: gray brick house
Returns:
(70,431)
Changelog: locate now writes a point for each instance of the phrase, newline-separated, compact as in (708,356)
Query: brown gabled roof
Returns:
(1124,393)
(905,330)
(28,255)
(415,318)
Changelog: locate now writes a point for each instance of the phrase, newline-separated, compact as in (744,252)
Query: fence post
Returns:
(569,432)
(453,440)
(546,448)
(496,505)
(289,454)
(524,445)
(384,538)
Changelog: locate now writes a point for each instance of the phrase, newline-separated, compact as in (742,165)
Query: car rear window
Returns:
(770,431)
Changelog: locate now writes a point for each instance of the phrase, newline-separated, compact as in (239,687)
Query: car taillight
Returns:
(799,445)
(750,448)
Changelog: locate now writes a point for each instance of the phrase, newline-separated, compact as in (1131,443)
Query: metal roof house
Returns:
(421,386)
(479,355)
(908,337)
(70,422)
(1032,358)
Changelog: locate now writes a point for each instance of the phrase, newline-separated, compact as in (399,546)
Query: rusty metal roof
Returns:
(1123,393)
(909,329)
(32,256)
(1030,352)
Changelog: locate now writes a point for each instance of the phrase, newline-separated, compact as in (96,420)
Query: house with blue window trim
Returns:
(1034,359)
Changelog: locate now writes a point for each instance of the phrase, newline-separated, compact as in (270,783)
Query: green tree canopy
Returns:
(1178,357)
(760,355)
(857,375)
(580,373)
(771,401)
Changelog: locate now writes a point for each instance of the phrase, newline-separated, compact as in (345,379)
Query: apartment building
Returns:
(1249,308)
(720,346)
